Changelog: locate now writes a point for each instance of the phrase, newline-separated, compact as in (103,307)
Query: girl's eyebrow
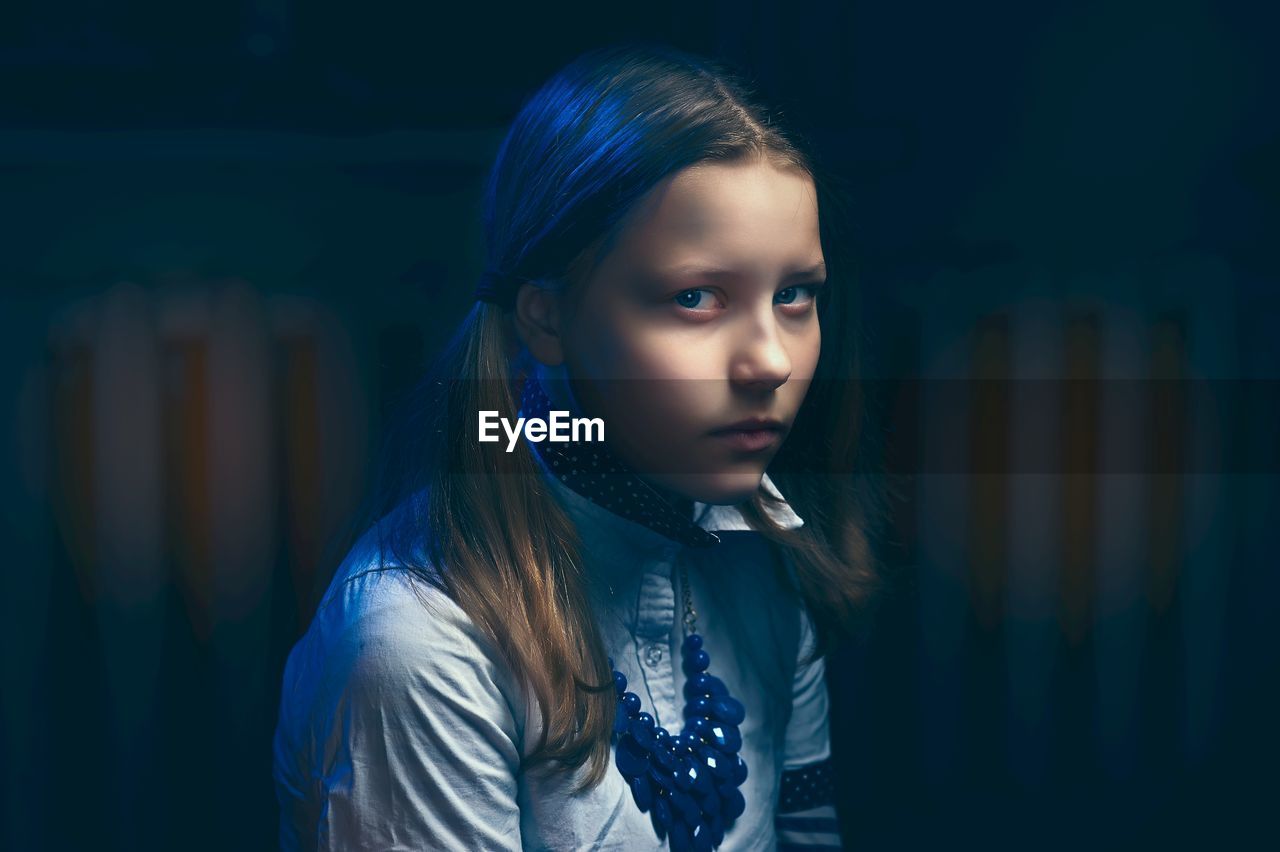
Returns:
(819,268)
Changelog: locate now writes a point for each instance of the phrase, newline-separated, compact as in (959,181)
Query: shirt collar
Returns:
(601,491)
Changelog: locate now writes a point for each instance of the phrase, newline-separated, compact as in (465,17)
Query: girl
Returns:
(618,643)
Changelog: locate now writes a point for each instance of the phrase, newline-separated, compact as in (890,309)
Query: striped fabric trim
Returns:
(815,828)
(806,814)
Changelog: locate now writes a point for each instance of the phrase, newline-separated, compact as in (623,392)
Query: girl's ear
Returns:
(537,319)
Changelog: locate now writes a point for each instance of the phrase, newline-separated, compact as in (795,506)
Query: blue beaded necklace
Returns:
(687,782)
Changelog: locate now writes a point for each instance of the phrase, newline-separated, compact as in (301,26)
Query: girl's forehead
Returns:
(751,208)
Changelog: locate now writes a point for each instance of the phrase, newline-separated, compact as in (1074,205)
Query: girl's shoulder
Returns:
(389,655)
(383,621)
(378,570)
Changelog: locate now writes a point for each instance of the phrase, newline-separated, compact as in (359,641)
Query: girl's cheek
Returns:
(810,349)
(661,362)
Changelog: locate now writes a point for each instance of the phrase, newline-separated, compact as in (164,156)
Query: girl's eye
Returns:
(790,295)
(796,295)
(691,298)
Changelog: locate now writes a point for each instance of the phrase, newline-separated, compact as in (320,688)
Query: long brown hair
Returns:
(481,523)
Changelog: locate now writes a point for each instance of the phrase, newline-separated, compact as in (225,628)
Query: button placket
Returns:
(656,618)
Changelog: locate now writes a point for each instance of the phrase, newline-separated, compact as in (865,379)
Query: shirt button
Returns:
(653,655)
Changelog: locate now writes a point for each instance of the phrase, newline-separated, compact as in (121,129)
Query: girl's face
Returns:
(703,314)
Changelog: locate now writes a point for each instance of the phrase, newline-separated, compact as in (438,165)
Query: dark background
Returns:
(235,231)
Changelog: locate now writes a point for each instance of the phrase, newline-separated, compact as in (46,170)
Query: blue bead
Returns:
(662,778)
(696,685)
(642,792)
(687,806)
(715,824)
(698,708)
(692,643)
(665,758)
(739,771)
(620,682)
(703,684)
(728,710)
(701,775)
(662,738)
(710,801)
(702,839)
(631,759)
(632,703)
(642,734)
(724,737)
(662,811)
(721,765)
(684,743)
(728,738)
(680,841)
(658,827)
(620,720)
(734,805)
(696,662)
(644,720)
(683,783)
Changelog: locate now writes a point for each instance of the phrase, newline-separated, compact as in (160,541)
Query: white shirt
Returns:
(401,728)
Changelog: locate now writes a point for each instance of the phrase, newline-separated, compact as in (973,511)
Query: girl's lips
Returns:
(748,440)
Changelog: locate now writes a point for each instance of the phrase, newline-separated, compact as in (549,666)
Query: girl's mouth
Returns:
(749,440)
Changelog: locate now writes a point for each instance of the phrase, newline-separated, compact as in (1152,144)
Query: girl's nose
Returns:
(761,360)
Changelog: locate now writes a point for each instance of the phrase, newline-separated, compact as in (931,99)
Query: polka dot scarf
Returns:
(592,470)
